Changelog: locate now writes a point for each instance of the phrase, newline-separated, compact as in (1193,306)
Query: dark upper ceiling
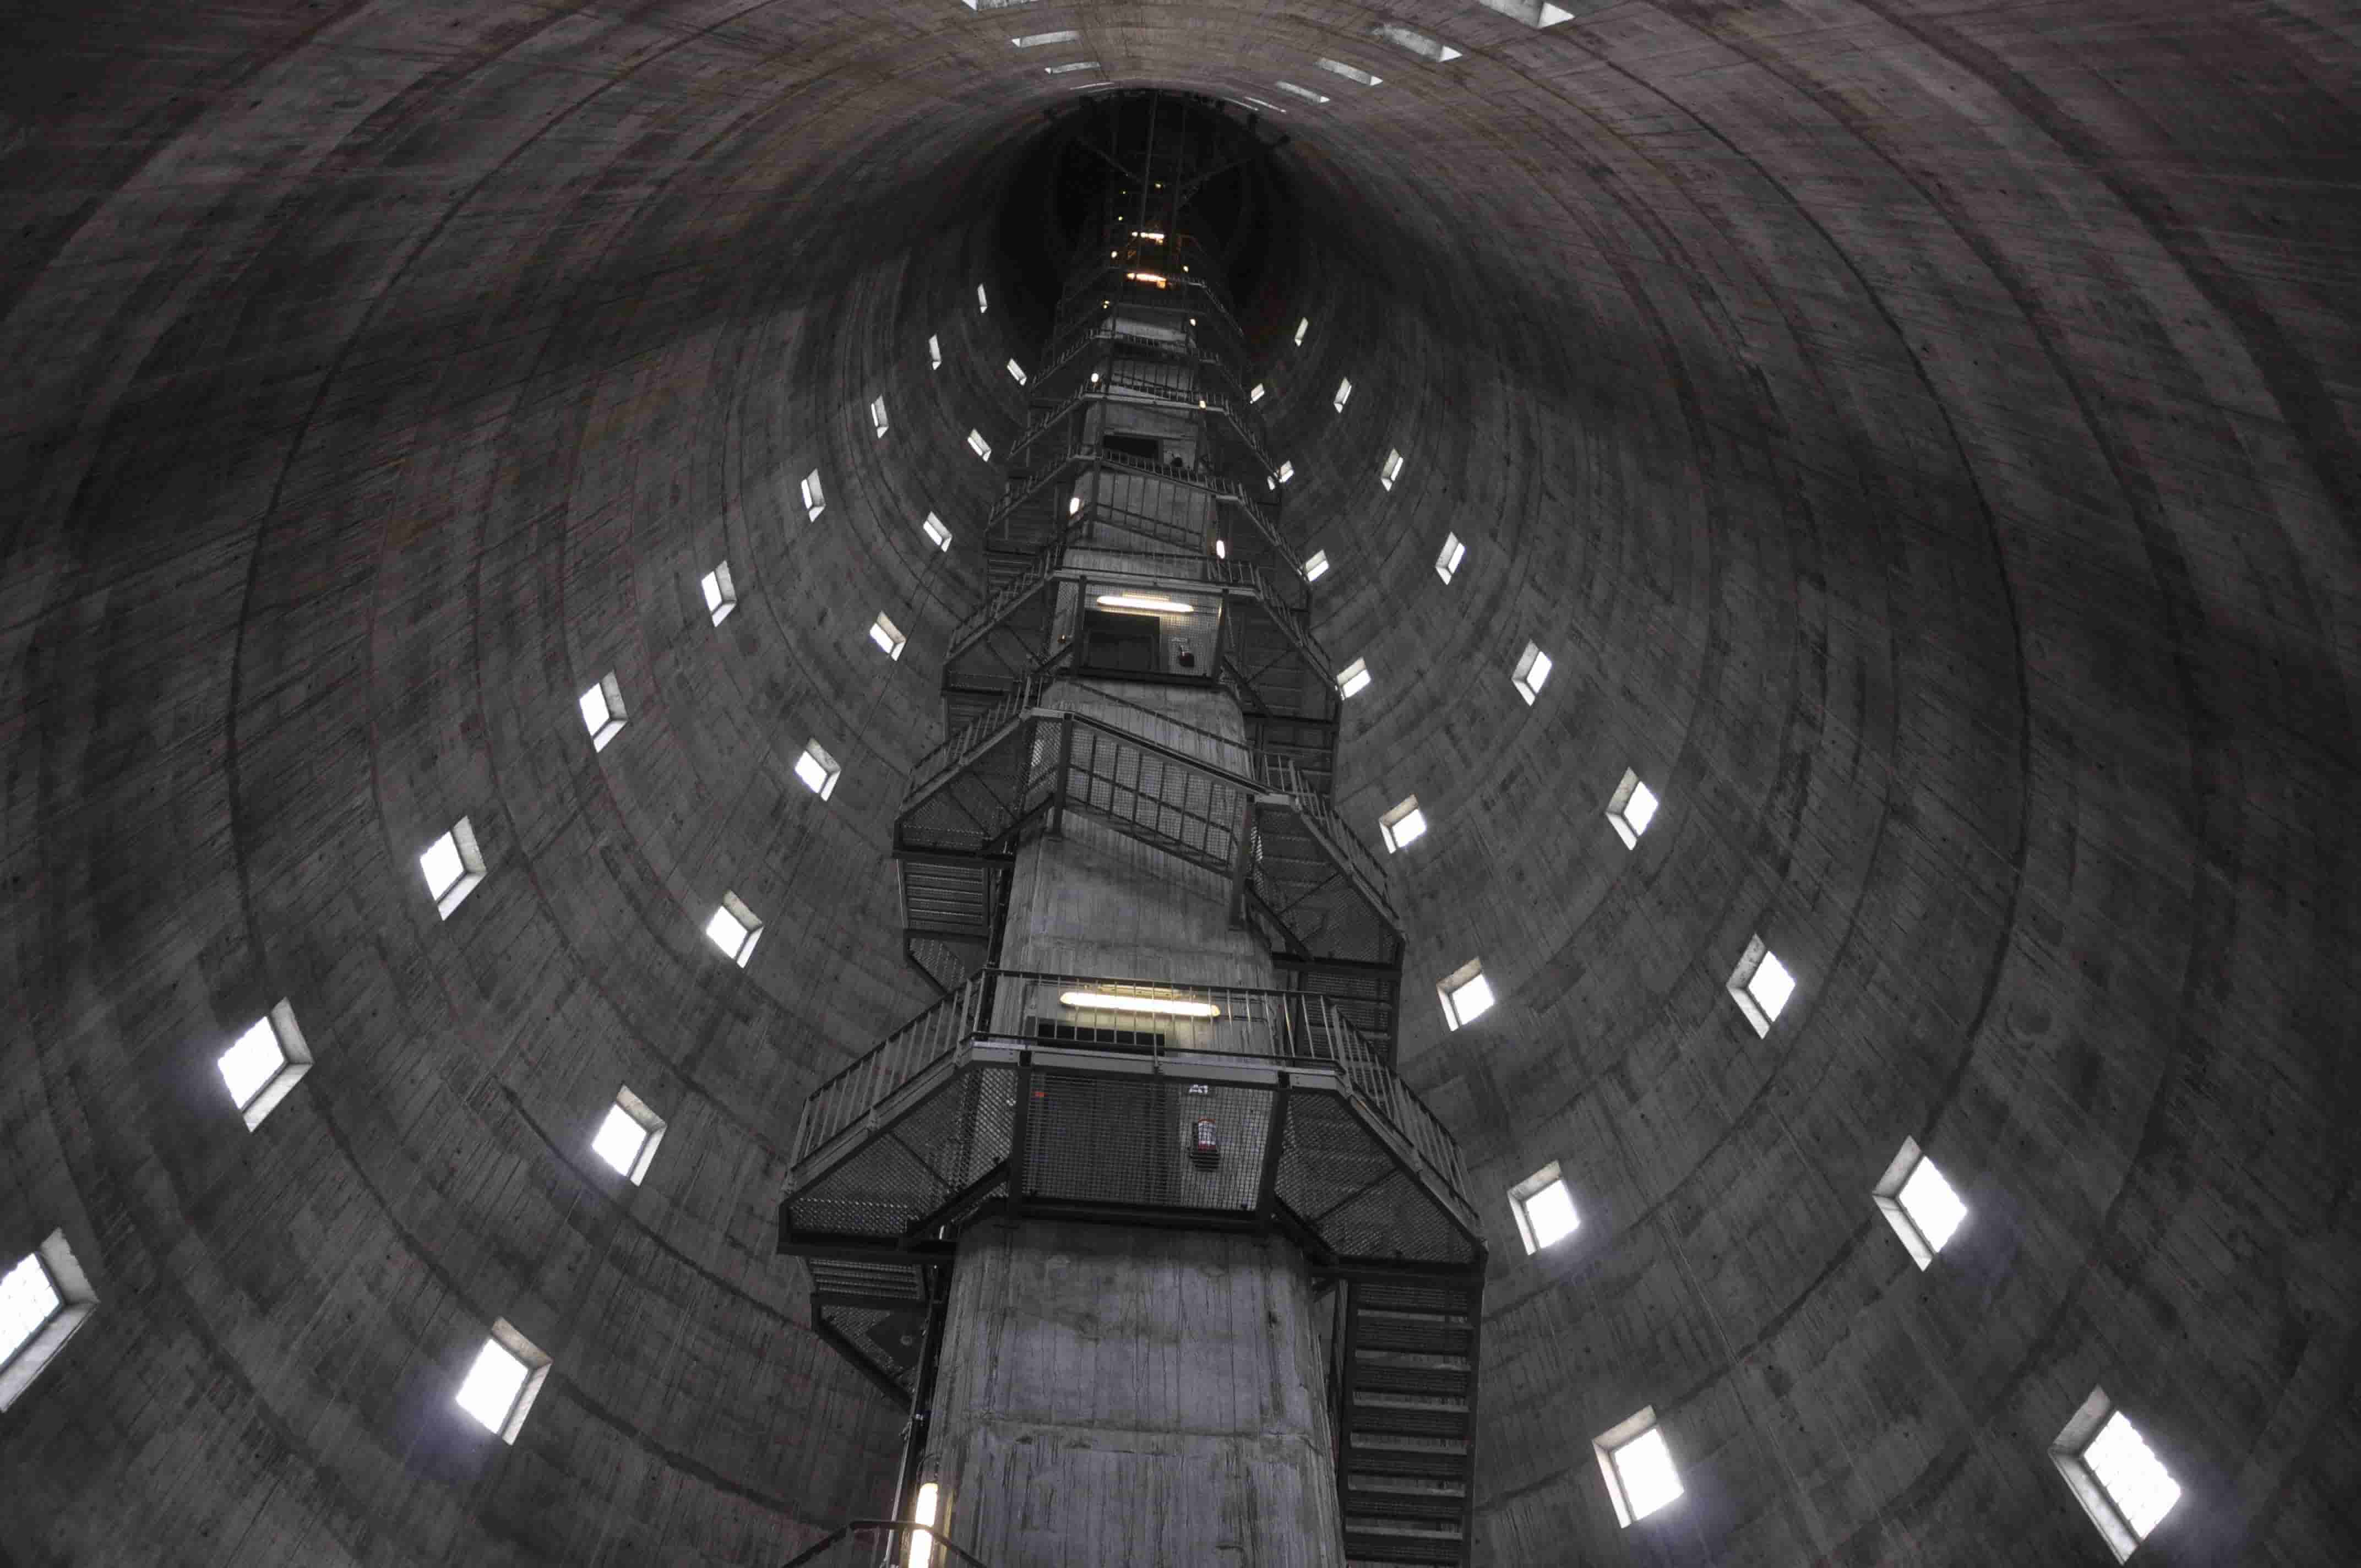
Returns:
(1924,435)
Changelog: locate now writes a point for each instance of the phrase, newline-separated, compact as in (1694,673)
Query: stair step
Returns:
(1374,1546)
(1376,1458)
(1406,1420)
(1424,1336)
(1430,1502)
(1373,1376)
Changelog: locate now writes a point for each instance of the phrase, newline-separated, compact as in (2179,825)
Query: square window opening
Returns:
(735,930)
(1353,679)
(1543,1209)
(1017,371)
(1306,93)
(982,301)
(1761,985)
(1254,395)
(1035,40)
(936,532)
(1638,1466)
(979,445)
(1446,563)
(1630,808)
(602,710)
(815,498)
(1286,471)
(1350,72)
(1417,43)
(1531,673)
(877,415)
(1404,826)
(1389,470)
(502,1383)
(1922,1207)
(887,636)
(453,866)
(1465,994)
(817,770)
(1301,327)
(720,593)
(627,1139)
(1343,393)
(268,1058)
(934,351)
(1315,566)
(2121,1485)
(44,1297)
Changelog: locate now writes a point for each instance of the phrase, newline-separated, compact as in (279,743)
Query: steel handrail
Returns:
(893,1550)
(1282,774)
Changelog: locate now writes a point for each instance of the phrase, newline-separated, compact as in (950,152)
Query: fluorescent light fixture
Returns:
(1303,93)
(815,497)
(1531,673)
(1149,234)
(1404,826)
(1467,995)
(1543,1209)
(1446,563)
(1017,371)
(735,930)
(1156,277)
(887,636)
(1417,43)
(1390,469)
(936,532)
(1220,549)
(1343,393)
(877,415)
(1632,808)
(1350,72)
(922,1511)
(819,770)
(1761,985)
(627,1139)
(1073,505)
(1315,566)
(1145,602)
(979,445)
(602,710)
(1122,1001)
(1035,40)
(720,593)
(1075,65)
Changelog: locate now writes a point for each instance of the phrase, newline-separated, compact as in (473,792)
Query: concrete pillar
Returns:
(1114,1396)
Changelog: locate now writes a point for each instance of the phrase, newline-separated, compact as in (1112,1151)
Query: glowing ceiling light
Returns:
(1117,1001)
(1143,601)
(1156,277)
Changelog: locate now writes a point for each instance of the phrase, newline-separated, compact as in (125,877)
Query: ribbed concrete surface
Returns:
(1923,435)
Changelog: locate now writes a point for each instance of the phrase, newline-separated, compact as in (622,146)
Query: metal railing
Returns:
(869,1542)
(1280,773)
(1278,1027)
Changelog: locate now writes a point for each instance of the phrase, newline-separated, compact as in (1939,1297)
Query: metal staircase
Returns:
(1403,1360)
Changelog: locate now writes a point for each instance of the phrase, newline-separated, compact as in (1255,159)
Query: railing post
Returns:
(1065,775)
(1274,1141)
(1019,1124)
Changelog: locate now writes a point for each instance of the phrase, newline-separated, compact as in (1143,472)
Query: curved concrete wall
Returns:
(1923,439)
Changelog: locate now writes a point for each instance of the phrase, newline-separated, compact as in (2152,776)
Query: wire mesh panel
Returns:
(889,1339)
(1148,1142)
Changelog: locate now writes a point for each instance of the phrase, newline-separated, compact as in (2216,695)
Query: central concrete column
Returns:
(1117,1397)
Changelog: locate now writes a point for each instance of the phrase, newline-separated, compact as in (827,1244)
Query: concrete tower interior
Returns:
(1842,515)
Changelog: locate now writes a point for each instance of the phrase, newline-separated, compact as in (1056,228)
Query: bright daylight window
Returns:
(1761,985)
(1343,393)
(1447,562)
(936,532)
(44,1298)
(1467,995)
(1404,826)
(1286,471)
(720,593)
(817,770)
(877,415)
(28,1300)
(1069,65)
(1315,566)
(887,636)
(815,498)
(500,1387)
(1532,13)
(1353,679)
(1350,72)
(734,929)
(1304,92)
(452,866)
(1301,328)
(1417,43)
(627,1139)
(934,352)
(1543,1209)
(1255,394)
(1017,371)
(1630,808)
(1920,1205)
(979,445)
(982,301)
(602,710)
(1390,469)
(264,1062)
(2115,1474)
(1640,1475)
(1035,40)
(1532,673)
